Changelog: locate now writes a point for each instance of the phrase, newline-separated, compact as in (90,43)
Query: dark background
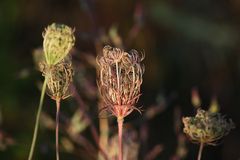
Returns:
(188,43)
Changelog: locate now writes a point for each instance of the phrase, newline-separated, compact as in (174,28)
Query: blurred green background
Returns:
(188,44)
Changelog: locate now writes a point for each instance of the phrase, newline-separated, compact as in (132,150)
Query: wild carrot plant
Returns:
(206,128)
(58,39)
(60,77)
(119,81)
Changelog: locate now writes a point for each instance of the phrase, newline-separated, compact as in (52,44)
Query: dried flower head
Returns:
(207,127)
(59,78)
(119,80)
(58,41)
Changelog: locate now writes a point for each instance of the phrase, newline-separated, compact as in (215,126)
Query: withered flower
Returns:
(119,80)
(60,77)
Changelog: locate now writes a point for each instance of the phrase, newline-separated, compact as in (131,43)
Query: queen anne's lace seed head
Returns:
(59,77)
(207,127)
(58,41)
(119,79)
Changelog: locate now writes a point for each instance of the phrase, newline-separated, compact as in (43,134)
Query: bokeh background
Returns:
(190,46)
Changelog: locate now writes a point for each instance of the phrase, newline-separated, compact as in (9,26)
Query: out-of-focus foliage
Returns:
(188,44)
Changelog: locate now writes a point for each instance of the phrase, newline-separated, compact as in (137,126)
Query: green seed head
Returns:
(207,127)
(58,41)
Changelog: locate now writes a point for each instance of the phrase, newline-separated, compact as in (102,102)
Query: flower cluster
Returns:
(119,80)
(207,127)
(57,43)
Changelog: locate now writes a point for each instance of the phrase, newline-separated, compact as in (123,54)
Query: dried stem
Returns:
(57,127)
(37,119)
(104,133)
(120,145)
(200,151)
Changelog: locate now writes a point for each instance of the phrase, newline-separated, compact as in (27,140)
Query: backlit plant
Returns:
(60,77)
(119,81)
(58,39)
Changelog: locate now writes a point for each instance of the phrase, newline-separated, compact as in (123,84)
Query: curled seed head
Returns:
(119,79)
(59,77)
(207,127)
(58,41)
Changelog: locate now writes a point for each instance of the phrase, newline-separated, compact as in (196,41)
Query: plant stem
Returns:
(57,127)
(200,151)
(37,120)
(120,145)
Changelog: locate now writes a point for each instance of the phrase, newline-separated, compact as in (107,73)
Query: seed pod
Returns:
(59,78)
(58,41)
(119,79)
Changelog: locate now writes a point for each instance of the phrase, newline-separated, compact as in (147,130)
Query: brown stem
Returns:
(57,127)
(200,151)
(120,145)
